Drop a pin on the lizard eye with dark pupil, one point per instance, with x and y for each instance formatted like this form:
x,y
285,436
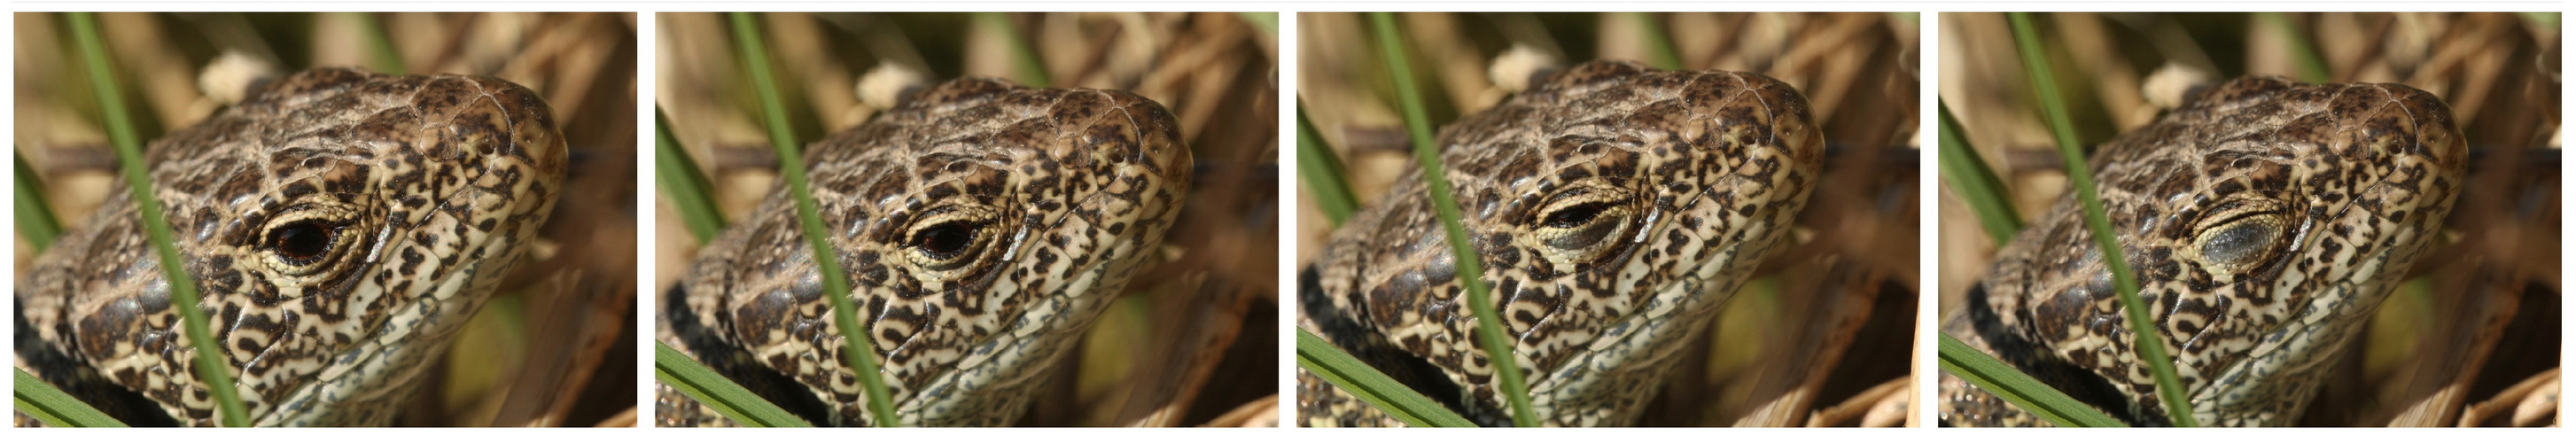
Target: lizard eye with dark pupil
x,y
946,240
301,242
1578,215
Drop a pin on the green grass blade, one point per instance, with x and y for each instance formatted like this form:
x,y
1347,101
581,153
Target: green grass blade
x,y
1369,385
2150,343
2303,53
1974,183
210,365
36,221
1471,272
858,349
381,55
54,407
1032,70
1322,172
719,393
1267,21
1659,44
1958,359
686,188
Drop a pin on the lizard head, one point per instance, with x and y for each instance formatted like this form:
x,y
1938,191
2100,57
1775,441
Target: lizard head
x,y
983,225
1613,208
340,225
2264,220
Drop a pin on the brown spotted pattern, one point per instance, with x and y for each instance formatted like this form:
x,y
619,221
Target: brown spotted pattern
x,y
341,226
2265,219
984,226
1615,207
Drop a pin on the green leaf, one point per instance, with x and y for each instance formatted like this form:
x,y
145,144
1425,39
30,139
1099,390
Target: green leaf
x,y
381,55
1471,271
1973,183
2303,53
1267,21
698,382
1369,385
1659,44
2150,343
858,349
36,221
688,190
1322,172
210,366
1958,359
54,407
1032,69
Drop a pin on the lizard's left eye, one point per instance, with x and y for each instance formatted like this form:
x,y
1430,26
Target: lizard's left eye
x,y
1583,224
310,240
954,240
2242,237
302,242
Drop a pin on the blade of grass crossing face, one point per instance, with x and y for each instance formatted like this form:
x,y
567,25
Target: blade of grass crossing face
x,y
1489,328
858,349
2150,342
682,183
1322,172
210,366
1973,183
1369,385
54,407
1958,359
717,392
36,221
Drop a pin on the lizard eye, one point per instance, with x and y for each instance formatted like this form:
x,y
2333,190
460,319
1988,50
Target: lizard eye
x,y
953,240
948,240
310,240
1583,224
2242,237
302,242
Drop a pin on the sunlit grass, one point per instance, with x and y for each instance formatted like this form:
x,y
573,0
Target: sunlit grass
x,y
1321,171
381,55
37,399
1973,183
1031,69
36,220
1470,269
682,184
858,349
2000,379
2149,343
1367,384
717,392
211,368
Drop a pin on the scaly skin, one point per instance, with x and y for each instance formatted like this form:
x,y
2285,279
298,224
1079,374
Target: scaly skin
x,y
1048,199
1615,207
2264,218
341,226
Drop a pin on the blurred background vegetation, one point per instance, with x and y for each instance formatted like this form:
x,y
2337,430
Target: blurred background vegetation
x,y
1825,338
1195,342
555,346
2473,338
